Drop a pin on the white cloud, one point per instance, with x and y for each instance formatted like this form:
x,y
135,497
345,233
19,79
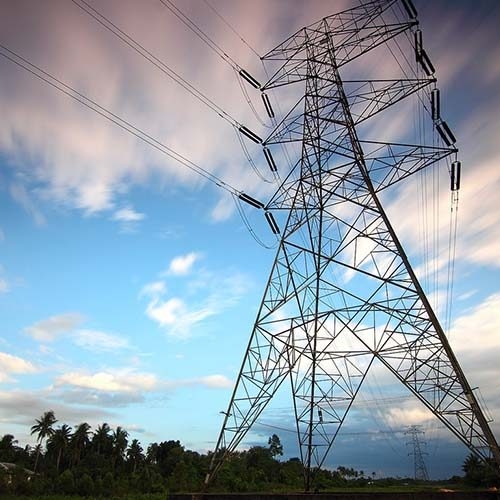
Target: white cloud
x,y
216,381
166,313
128,215
223,209
4,286
175,316
49,329
182,264
204,296
94,340
110,381
153,289
411,413
133,382
14,364
477,331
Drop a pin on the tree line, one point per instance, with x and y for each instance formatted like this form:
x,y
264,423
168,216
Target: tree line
x,y
105,462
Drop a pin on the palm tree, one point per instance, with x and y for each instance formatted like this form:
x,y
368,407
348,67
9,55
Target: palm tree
x,y
152,453
134,453
102,439
79,441
120,442
43,428
7,448
59,442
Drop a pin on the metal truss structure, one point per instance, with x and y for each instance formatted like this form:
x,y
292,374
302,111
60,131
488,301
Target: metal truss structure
x,y
342,293
419,468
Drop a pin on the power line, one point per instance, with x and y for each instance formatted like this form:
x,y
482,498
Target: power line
x,y
239,71
164,68
158,63
200,33
226,22
114,118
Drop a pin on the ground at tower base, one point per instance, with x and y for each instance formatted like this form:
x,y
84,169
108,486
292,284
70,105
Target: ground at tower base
x,y
389,495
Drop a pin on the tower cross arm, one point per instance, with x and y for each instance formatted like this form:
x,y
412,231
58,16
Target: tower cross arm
x,y
353,32
389,163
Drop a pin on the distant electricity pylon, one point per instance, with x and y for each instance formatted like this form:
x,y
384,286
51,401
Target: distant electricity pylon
x,y
341,292
419,468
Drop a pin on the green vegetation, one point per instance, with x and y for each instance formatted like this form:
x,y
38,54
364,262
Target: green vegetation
x,y
105,463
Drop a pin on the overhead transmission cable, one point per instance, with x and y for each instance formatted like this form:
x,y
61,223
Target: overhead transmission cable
x,y
200,33
137,132
226,22
442,130
233,64
117,120
239,71
162,66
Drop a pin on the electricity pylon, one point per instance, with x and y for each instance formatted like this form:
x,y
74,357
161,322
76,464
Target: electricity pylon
x,y
419,468
342,292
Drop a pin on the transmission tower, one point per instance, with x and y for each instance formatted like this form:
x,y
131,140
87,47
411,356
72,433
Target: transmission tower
x,y
420,470
341,292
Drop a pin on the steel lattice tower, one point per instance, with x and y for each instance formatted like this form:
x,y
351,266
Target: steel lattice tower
x,y
342,292
419,468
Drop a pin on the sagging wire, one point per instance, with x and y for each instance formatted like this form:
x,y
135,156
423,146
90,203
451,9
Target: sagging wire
x,y
244,91
249,227
239,72
158,63
191,25
250,160
440,129
231,27
164,68
452,250
112,117
237,69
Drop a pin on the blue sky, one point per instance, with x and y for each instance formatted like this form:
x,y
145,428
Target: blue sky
x,y
129,285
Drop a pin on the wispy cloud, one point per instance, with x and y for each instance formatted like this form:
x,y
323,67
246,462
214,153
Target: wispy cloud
x,y
129,381
216,381
49,329
176,316
128,214
153,289
477,330
94,340
110,381
197,299
10,364
23,198
4,284
128,219
182,265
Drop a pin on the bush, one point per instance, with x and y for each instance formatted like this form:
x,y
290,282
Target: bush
x,y
85,486
66,483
